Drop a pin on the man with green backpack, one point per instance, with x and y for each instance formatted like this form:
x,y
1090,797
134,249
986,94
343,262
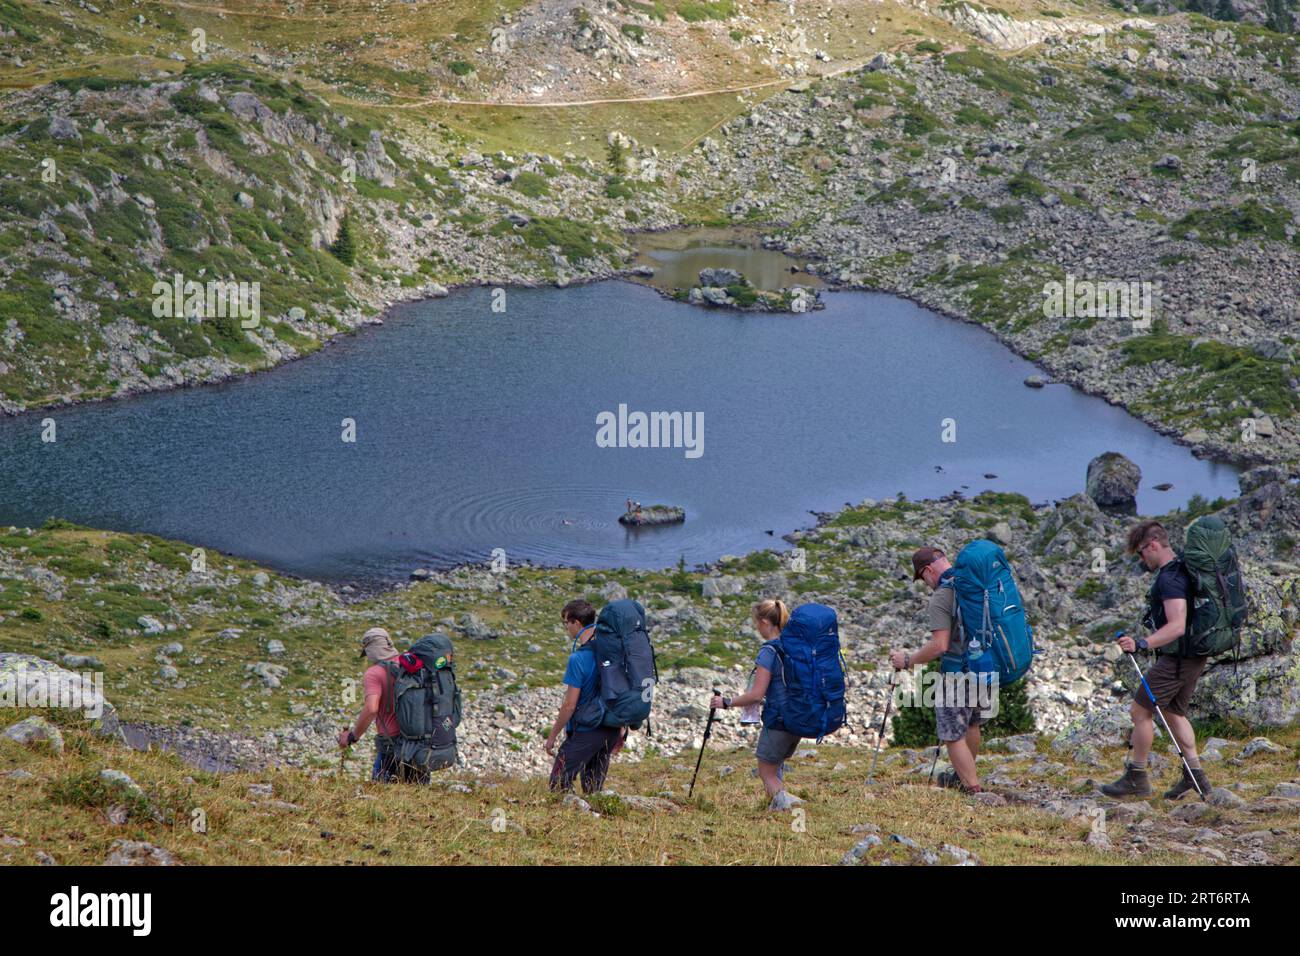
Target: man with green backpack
x,y
415,704
1197,606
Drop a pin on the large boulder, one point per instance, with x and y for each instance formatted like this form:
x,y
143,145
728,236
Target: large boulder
x,y
43,683
64,129
1113,482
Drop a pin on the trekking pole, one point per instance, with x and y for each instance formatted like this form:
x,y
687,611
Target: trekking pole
x,y
708,731
880,737
1161,714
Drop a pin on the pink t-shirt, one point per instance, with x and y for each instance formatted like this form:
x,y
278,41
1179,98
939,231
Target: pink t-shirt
x,y
377,680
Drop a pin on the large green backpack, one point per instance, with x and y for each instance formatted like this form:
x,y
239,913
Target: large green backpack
x,y
427,705
1218,609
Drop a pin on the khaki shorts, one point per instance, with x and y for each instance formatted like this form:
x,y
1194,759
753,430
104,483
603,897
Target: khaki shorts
x,y
1173,681
776,746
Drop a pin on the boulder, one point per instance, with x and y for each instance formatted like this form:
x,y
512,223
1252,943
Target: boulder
x,y
1000,533
271,674
139,853
714,278
35,731
720,586
1112,482
473,627
1073,524
613,591
64,129
1262,688
56,685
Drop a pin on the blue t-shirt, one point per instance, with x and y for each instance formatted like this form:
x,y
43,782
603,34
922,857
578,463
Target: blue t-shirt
x,y
580,672
768,657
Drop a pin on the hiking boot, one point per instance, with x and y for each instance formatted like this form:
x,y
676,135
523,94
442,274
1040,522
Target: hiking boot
x,y
1136,782
949,779
1186,784
784,801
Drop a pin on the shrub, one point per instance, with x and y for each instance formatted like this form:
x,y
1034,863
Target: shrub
x,y
532,185
915,726
345,243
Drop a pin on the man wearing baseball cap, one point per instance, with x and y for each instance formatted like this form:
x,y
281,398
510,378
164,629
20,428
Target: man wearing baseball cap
x,y
957,720
377,647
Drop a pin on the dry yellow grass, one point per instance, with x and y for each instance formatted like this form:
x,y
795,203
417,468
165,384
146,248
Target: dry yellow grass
x,y
319,818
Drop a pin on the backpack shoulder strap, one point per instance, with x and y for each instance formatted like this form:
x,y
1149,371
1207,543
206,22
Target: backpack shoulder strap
x,y
590,647
393,672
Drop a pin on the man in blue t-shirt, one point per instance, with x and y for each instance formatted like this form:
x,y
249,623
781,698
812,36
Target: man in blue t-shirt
x,y
588,744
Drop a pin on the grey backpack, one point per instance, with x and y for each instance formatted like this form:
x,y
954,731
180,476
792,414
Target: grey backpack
x,y
427,704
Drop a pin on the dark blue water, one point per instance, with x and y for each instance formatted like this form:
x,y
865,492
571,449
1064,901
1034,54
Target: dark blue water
x,y
477,430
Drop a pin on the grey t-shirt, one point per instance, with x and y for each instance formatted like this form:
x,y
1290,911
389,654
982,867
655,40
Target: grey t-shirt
x,y
941,614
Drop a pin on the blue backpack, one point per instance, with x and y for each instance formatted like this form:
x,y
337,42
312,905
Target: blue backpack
x,y
625,665
813,671
989,612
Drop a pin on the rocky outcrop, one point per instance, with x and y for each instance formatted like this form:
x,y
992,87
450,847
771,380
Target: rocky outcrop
x,y
729,289
1008,33
654,515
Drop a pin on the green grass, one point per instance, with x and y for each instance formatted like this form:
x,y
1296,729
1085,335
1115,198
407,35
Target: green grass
x,y
532,185
695,11
992,73
1224,373
1219,225
573,239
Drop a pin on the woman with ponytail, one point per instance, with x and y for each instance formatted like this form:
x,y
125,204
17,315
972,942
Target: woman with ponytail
x,y
775,745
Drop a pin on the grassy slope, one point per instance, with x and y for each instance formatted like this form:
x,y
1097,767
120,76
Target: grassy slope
x,y
320,819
